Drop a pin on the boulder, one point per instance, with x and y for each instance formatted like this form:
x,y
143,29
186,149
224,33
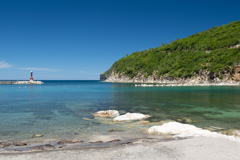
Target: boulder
x,y
131,117
180,130
108,113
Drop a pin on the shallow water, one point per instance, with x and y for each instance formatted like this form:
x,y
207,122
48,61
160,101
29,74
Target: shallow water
x,y
64,109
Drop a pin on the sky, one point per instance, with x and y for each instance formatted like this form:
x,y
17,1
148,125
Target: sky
x,y
80,39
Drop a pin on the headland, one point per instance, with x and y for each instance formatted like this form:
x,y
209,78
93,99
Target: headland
x,y
210,57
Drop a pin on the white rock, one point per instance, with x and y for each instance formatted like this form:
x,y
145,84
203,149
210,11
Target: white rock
x,y
131,117
108,113
185,130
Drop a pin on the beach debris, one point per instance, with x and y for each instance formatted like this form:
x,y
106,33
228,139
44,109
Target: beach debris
x,y
107,113
127,143
231,132
43,147
36,136
131,117
71,141
97,142
19,144
5,144
114,140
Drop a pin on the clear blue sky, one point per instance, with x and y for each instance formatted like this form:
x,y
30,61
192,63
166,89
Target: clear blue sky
x,y
79,39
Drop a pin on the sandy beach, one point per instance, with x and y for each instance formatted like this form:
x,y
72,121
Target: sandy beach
x,y
199,148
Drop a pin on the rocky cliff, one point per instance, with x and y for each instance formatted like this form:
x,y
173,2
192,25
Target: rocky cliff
x,y
203,77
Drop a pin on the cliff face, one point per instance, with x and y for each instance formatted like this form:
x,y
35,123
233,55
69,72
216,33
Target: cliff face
x,y
203,77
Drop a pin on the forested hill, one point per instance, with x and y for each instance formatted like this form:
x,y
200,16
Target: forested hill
x,y
216,50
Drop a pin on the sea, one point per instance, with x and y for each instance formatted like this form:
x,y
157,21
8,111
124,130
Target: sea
x,y
64,109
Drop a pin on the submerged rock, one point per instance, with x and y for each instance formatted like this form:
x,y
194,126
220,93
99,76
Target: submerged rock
x,y
231,132
131,117
108,113
20,144
43,147
87,119
115,130
144,122
36,136
104,120
114,140
183,119
213,128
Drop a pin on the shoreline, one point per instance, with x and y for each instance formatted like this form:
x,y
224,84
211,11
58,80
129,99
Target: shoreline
x,y
203,78
97,142
167,131
190,148
173,84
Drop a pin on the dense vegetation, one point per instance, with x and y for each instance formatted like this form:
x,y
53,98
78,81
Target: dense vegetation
x,y
185,57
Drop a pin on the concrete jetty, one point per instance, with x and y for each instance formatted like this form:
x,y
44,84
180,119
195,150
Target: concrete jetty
x,y
7,82
21,82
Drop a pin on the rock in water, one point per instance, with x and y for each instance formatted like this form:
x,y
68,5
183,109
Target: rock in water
x,y
231,132
36,135
131,117
108,113
20,144
66,141
185,130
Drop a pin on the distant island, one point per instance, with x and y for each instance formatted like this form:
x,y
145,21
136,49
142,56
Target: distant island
x,y
208,57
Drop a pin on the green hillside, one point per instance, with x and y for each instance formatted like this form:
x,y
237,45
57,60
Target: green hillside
x,y
211,50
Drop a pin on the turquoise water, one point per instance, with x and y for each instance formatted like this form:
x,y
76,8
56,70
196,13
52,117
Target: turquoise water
x,y
64,109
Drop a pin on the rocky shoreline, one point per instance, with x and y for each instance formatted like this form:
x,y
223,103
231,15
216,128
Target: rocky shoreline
x,y
207,148
162,131
203,78
168,83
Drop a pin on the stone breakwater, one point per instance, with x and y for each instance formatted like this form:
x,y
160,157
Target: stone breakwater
x,y
21,82
29,82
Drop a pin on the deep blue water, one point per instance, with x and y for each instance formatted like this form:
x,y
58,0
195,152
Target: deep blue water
x,y
64,109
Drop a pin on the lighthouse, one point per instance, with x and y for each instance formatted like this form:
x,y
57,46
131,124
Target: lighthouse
x,y
31,78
